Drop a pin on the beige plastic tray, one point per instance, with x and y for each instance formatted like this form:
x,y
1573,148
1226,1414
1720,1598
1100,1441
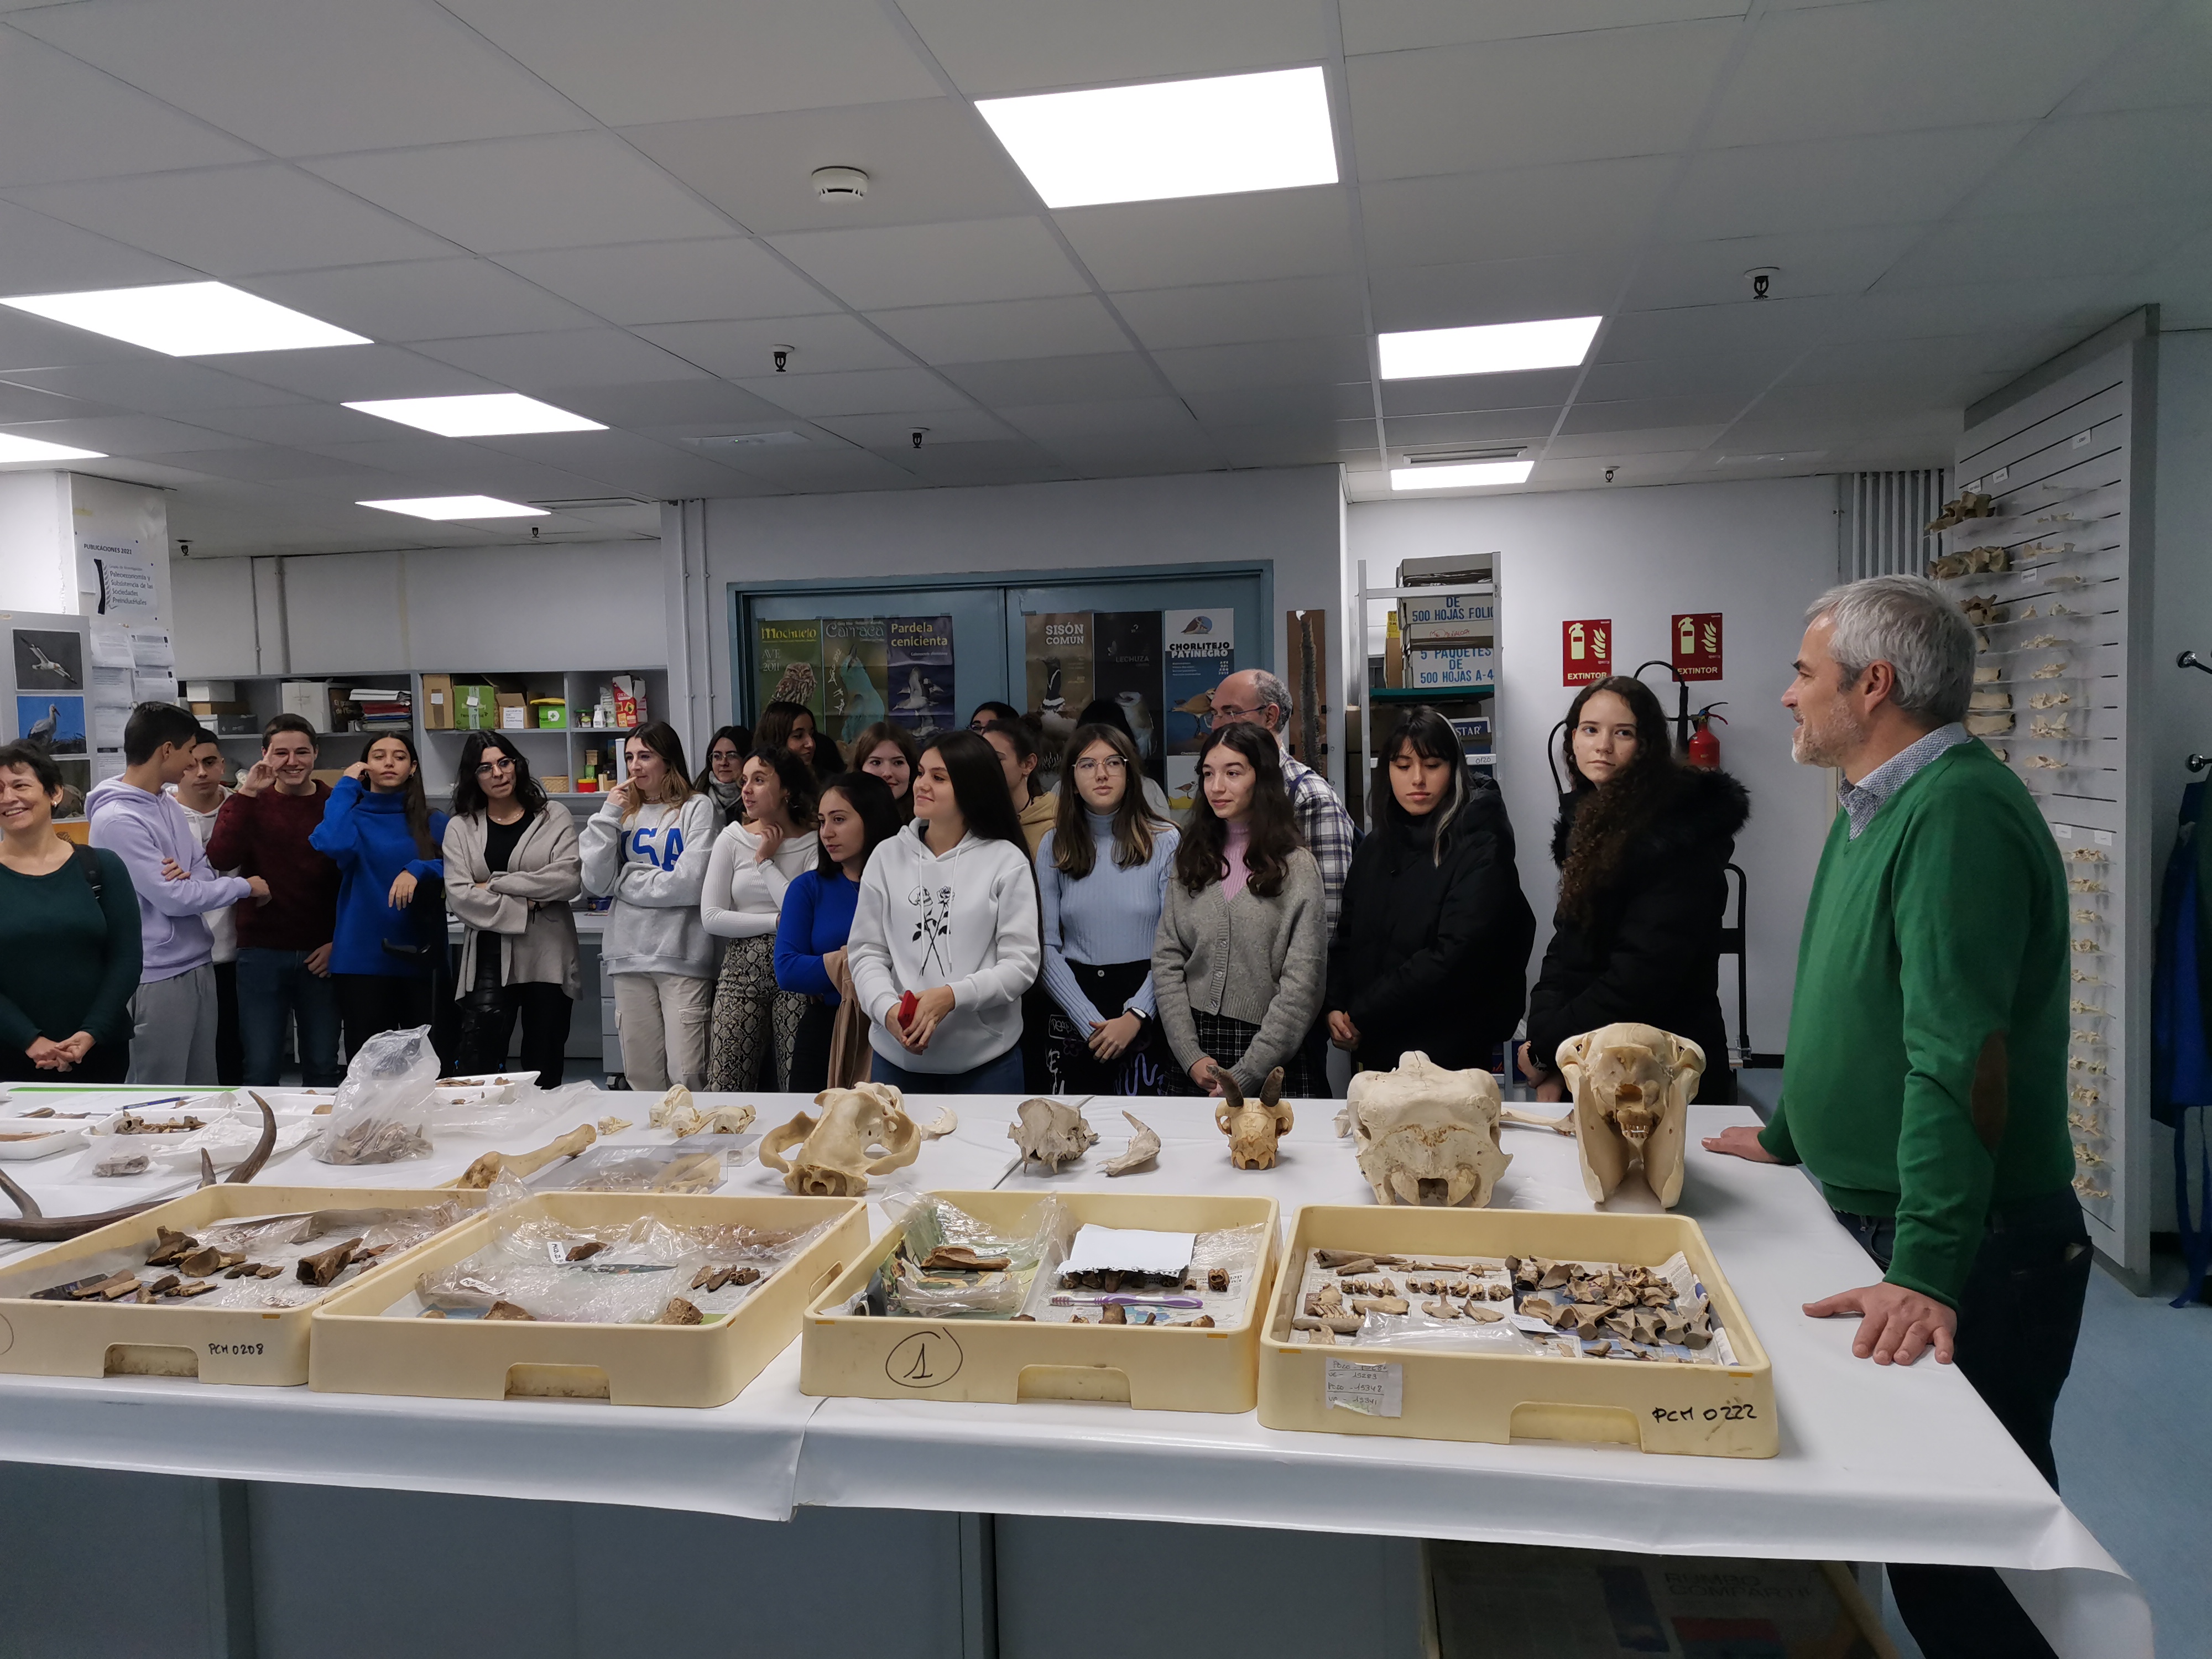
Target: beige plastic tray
x,y
360,1350
215,1345
1707,1411
1151,1368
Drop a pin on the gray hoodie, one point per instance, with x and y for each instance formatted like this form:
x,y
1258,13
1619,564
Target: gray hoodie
x,y
654,868
142,829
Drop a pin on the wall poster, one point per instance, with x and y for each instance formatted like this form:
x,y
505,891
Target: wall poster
x,y
787,663
1198,651
1128,674
1058,653
918,673
48,700
122,576
1696,639
1585,650
854,666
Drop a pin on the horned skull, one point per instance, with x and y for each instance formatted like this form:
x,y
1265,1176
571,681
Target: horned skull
x,y
1253,1127
835,1158
1631,1086
1427,1134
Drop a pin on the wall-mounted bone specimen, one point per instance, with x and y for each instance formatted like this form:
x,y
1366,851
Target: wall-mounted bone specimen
x,y
1253,1127
1427,1135
838,1152
1631,1086
1143,1147
1050,1134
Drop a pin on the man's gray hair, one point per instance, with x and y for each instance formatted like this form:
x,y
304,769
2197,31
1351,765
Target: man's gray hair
x,y
1270,689
1912,625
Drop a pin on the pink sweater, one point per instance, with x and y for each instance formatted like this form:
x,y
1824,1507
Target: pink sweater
x,y
1238,839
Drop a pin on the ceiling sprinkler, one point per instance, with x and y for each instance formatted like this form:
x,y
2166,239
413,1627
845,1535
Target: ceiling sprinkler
x,y
1761,278
783,355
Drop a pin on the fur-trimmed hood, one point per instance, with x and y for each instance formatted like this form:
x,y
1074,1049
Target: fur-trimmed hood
x,y
1704,807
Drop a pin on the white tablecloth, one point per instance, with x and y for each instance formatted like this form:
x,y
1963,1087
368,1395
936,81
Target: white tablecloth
x,y
1896,1464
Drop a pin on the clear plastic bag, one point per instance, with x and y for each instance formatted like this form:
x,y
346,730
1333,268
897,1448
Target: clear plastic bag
x,y
908,1288
384,1111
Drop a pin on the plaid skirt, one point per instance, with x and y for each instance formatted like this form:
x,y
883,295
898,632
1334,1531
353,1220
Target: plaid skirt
x,y
1227,1039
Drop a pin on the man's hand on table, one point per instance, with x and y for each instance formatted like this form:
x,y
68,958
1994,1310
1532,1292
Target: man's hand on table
x,y
1740,1141
1897,1325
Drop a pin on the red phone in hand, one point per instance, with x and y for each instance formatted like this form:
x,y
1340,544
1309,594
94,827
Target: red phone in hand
x,y
908,1004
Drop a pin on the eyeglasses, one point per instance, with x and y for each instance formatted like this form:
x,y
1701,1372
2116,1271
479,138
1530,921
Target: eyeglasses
x,y
724,757
1228,715
502,764
1086,766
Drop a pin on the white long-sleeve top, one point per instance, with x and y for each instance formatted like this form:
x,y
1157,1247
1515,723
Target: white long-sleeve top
x,y
744,892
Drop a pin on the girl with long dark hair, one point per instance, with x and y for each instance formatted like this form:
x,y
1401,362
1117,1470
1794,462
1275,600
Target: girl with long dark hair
x,y
948,914
1103,872
1432,935
792,725
753,864
723,779
1015,743
1238,965
379,829
511,865
889,753
856,816
1642,844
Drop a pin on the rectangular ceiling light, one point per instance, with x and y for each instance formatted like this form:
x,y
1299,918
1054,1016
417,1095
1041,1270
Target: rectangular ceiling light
x,y
187,319
1490,348
459,506
1460,476
13,448
1218,136
486,414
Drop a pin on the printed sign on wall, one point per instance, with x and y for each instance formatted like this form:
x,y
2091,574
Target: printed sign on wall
x,y
1585,650
1697,645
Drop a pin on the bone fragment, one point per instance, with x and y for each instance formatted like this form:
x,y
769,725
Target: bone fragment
x,y
488,1169
1143,1148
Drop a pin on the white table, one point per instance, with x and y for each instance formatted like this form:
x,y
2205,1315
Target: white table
x,y
1902,1464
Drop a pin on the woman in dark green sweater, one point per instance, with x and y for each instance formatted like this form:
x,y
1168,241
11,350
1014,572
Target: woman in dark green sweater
x,y
68,938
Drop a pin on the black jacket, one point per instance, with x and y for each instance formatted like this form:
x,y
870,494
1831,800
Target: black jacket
x,y
1433,956
1651,952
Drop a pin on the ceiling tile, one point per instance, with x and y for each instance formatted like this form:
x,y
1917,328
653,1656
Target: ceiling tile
x,y
1495,426
1332,363
1741,376
1551,99
724,277
1746,325
1499,291
1107,375
892,266
1834,183
309,77
1034,45
653,406
966,465
1678,441
1996,250
1315,405
819,346
508,195
157,386
357,373
421,300
896,432
1809,263
31,402
1067,327
1224,313
265,462
296,423
1276,446
2169,62
2182,283
579,356
675,60
823,471
31,342
61,119
231,222
1516,212
1700,408
1214,238
128,435
1400,25
40,254
869,391
925,159
2152,159
1131,417
1475,394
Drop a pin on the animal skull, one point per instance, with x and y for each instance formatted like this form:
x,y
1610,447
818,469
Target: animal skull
x,y
1050,1134
1427,1134
1631,1086
1253,1127
833,1159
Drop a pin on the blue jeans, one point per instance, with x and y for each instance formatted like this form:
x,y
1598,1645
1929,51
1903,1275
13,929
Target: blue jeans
x,y
1002,1075
272,984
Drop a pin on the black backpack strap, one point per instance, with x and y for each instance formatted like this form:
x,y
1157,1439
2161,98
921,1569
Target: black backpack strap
x,y
88,865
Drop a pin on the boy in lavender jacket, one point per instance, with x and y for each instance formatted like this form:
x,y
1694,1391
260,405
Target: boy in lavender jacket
x,y
173,1013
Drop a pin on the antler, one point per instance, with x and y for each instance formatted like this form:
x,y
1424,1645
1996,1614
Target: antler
x,y
259,1156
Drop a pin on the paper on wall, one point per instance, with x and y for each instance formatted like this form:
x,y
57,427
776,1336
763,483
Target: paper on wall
x,y
111,644
120,574
151,652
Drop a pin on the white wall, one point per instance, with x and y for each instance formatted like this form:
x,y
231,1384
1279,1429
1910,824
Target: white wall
x,y
42,513
1757,552
1292,515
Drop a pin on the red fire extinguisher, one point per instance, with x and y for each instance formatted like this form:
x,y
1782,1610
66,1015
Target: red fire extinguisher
x,y
1705,751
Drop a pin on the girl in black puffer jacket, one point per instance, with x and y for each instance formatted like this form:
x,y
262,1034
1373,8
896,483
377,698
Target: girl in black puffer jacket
x,y
1432,937
1641,842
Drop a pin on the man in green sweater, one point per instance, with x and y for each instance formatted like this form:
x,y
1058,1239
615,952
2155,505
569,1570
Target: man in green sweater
x,y
1926,1083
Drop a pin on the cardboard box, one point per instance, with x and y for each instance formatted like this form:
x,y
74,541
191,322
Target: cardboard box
x,y
629,701
548,714
310,700
513,717
437,703
474,707
1457,668
1448,570
237,726
199,691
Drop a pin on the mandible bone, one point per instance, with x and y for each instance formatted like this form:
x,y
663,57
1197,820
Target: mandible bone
x,y
1427,1134
1631,1086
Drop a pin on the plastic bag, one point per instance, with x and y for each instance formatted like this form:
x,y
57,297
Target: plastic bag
x,y
909,1289
384,1110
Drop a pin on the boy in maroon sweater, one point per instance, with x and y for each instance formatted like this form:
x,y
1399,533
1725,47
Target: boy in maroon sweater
x,y
284,946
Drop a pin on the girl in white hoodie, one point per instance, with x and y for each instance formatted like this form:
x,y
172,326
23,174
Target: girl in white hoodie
x,y
647,848
948,914
754,861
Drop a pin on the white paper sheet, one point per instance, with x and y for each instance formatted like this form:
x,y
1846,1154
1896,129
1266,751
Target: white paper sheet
x,y
1127,1249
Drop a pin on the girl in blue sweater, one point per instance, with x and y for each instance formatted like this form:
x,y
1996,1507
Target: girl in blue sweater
x,y
380,832
1102,875
858,815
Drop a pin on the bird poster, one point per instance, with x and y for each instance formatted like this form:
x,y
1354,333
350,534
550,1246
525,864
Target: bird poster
x,y
1200,647
1127,673
918,673
53,721
787,662
1058,652
853,675
48,660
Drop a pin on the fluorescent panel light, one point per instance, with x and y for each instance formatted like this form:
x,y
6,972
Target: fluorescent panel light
x,y
1213,137
1461,476
187,319
13,448
1491,349
459,506
487,415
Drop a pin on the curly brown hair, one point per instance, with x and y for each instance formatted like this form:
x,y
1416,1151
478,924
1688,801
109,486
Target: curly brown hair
x,y
1609,816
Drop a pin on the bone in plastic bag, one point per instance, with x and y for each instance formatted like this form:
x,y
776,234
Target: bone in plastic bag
x,y
384,1110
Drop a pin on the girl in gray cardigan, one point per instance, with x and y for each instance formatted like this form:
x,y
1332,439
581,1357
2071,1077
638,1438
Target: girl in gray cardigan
x,y
1241,957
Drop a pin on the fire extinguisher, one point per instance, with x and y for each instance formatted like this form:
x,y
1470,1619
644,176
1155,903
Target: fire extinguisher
x,y
1704,752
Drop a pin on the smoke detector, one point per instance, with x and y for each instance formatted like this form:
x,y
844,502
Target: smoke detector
x,y
840,183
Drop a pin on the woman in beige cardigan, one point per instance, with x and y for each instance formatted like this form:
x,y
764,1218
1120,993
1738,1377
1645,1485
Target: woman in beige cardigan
x,y
1241,957
512,866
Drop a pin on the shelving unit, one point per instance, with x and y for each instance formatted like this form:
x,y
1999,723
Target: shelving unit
x,y
1369,721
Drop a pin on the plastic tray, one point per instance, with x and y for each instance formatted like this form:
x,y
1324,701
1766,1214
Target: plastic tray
x,y
1150,1368
215,1344
360,1350
1707,1411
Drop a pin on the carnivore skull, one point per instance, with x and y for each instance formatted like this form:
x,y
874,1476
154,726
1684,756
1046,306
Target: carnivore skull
x,y
1631,1086
1427,1135
836,1157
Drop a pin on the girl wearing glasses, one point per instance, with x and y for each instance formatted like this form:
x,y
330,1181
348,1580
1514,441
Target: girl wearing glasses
x,y
1103,872
512,866
723,782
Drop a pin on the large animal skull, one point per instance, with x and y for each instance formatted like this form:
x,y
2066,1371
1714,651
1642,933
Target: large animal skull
x,y
1050,1134
835,1158
1631,1087
1253,1127
1427,1135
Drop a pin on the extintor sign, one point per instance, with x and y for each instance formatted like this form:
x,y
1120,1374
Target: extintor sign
x,y
1696,642
1585,650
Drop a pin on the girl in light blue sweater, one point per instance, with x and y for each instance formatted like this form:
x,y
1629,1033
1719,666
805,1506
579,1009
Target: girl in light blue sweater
x,y
1103,871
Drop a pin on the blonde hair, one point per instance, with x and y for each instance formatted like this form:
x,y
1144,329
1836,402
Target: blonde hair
x,y
676,787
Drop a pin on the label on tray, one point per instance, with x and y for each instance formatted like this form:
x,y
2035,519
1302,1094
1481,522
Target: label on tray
x,y
1370,1391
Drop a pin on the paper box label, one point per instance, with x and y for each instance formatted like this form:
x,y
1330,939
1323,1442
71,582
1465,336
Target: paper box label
x,y
1467,665
1370,1391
